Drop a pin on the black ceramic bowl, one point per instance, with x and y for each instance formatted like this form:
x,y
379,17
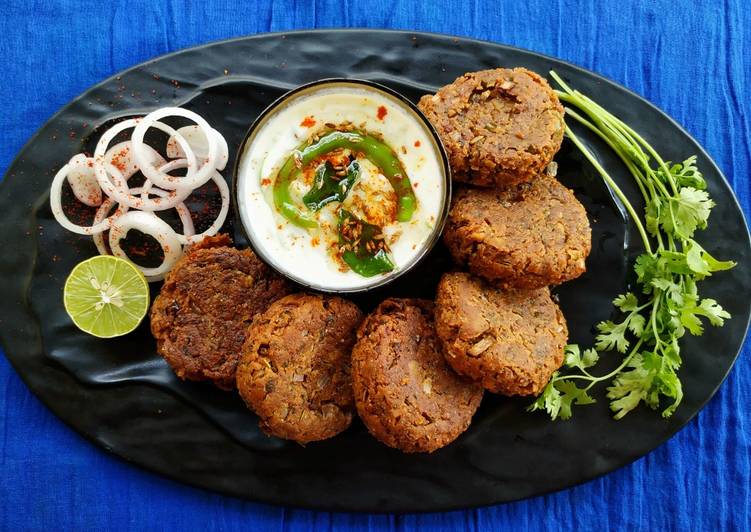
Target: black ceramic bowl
x,y
398,100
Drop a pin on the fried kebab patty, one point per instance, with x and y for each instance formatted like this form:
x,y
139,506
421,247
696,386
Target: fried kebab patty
x,y
406,394
509,341
208,300
533,236
500,127
294,372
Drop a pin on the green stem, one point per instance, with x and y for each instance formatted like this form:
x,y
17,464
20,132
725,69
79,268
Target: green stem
x,y
640,181
618,192
617,370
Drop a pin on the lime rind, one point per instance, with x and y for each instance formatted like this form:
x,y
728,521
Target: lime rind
x,y
106,296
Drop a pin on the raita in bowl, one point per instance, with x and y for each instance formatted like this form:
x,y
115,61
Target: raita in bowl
x,y
342,185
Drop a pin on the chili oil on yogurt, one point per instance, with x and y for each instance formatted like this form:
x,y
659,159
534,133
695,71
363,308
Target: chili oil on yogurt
x,y
341,186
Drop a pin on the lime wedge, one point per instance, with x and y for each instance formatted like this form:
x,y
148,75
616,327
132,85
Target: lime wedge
x,y
106,296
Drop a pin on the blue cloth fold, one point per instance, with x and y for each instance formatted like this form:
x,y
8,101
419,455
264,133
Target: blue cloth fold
x,y
690,58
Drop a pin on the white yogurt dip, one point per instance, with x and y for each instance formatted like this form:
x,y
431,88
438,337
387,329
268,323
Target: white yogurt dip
x,y
313,255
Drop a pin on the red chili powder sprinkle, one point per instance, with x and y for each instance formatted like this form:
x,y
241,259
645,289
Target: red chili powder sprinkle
x,y
265,182
417,144
314,241
117,159
382,112
309,121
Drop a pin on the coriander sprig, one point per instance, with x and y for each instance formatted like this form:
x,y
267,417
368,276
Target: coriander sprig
x,y
668,272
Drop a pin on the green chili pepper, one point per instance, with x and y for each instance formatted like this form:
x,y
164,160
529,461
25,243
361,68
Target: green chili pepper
x,y
326,188
365,250
377,152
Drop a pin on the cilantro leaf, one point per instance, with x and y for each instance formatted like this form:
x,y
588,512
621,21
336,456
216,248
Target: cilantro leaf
x,y
636,324
652,216
670,386
673,262
685,174
695,261
702,263
630,387
558,398
707,308
646,270
574,358
717,265
626,302
686,212
710,309
612,336
549,400
570,395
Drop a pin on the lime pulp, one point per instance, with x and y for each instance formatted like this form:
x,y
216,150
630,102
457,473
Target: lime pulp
x,y
106,296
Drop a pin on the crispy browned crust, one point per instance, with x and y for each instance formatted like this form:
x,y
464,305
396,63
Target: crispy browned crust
x,y
510,342
500,127
294,371
201,315
529,238
406,394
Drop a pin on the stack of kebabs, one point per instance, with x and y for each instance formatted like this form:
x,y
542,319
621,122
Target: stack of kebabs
x,y
413,370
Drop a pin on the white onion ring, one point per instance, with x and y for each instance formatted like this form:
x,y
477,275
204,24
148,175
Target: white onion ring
x,y
195,176
121,194
221,184
56,193
102,181
150,224
166,167
213,229
182,211
198,142
101,214
128,166
82,180
117,188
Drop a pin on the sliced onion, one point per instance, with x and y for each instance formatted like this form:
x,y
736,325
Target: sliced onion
x,y
121,157
56,194
195,176
149,224
182,211
200,145
117,188
101,214
119,191
83,181
213,229
102,181
170,166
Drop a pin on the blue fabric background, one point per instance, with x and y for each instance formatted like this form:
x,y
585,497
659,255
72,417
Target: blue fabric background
x,y
692,61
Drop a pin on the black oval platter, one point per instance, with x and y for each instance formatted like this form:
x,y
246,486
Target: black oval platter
x,y
122,396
